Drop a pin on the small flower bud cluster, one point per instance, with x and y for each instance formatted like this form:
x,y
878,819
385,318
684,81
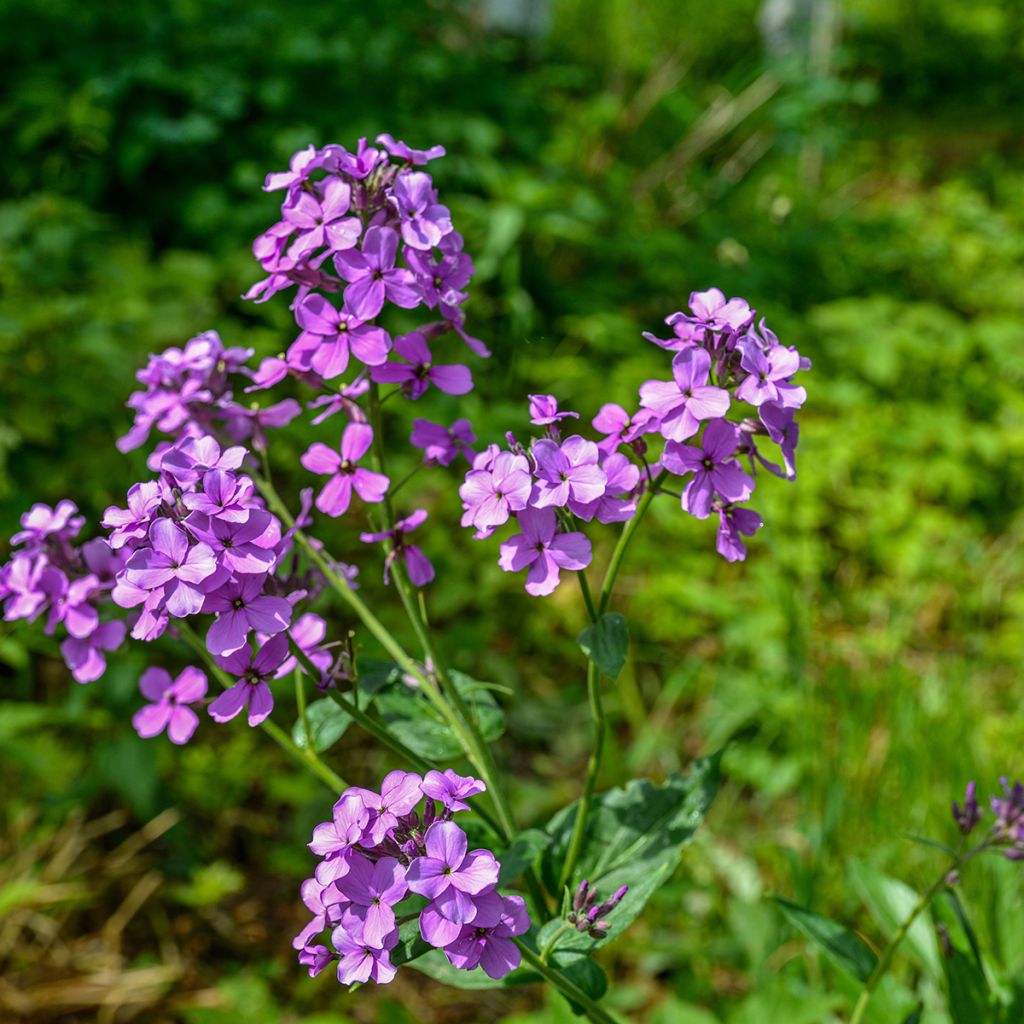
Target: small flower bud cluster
x,y
377,851
1007,831
50,574
587,914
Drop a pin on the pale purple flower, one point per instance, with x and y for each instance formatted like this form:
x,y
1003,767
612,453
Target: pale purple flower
x,y
344,830
301,165
419,372
714,468
42,522
169,699
443,445
373,277
487,941
785,432
308,632
490,495
360,961
416,157
85,657
245,547
193,457
712,311
769,376
682,403
242,608
617,504
361,163
251,691
224,496
544,410
399,794
734,523
545,551
75,608
424,221
29,583
332,334
316,958
336,495
448,875
375,887
451,789
320,222
567,472
417,565
619,427
311,893
132,524
173,566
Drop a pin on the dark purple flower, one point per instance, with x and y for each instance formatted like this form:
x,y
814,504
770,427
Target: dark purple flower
x,y
242,608
714,468
336,495
419,372
734,523
443,445
253,672
417,565
545,551
968,816
169,699
682,403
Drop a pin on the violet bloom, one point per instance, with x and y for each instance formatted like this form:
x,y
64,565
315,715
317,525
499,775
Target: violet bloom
x,y
443,445
1009,812
316,958
785,432
544,550
616,504
311,893
712,311
336,495
193,457
487,941
373,277
169,699
424,221
336,334
85,657
245,547
173,566
416,157
321,222
344,830
251,691
451,789
619,427
490,495
769,376
132,524
448,875
714,468
300,166
682,403
224,496
399,794
417,565
375,887
242,608
544,410
360,164
419,372
441,279
29,582
361,962
734,523
569,471
308,632
41,522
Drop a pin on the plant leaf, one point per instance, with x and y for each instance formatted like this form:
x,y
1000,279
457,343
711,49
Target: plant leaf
x,y
606,643
841,946
327,724
521,854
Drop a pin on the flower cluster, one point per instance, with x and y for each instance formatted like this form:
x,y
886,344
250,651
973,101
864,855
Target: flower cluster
x,y
1007,831
587,914
381,855
50,574
721,362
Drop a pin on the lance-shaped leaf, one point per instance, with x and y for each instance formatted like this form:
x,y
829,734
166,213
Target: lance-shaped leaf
x,y
836,941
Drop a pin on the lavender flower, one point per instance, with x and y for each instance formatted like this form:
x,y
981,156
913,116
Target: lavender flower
x,y
684,402
417,565
169,699
345,475
544,551
715,470
419,372
443,445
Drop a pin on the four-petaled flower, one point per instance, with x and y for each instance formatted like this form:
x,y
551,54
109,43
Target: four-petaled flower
x,y
715,470
169,699
682,403
544,550
336,495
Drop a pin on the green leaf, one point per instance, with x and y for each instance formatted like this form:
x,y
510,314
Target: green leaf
x,y
521,854
890,901
376,675
584,973
411,945
968,989
435,965
841,946
415,721
606,642
327,724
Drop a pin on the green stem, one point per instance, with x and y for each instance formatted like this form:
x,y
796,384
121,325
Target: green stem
x,y
595,1012
588,599
885,960
306,757
545,953
300,700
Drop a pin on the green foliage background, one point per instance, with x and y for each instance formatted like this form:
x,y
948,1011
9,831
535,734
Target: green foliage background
x,y
864,189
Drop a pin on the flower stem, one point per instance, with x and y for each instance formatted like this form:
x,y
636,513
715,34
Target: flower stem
x,y
307,757
595,1012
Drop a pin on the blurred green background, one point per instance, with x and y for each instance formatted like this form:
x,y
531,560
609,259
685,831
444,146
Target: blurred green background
x,y
855,169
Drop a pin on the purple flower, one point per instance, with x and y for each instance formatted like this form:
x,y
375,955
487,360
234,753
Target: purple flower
x,y
567,472
424,221
335,334
968,816
441,278
316,958
85,657
715,470
443,445
420,372
193,457
544,410
769,376
42,522
241,608
173,566
417,157
487,941
399,794
308,632
360,960
785,432
361,163
377,888
712,311
132,524
251,690
345,829
372,275
311,893
544,550
29,583
448,875
241,547
490,495
301,165
734,523
224,496
615,505
451,789
320,222
619,427
682,403
169,699
1009,812
336,495
586,914
417,565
